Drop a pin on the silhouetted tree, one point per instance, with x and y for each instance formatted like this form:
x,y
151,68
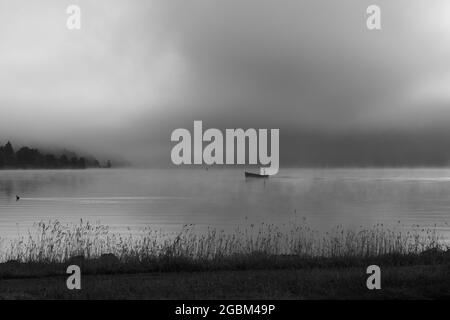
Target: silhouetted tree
x,y
74,162
82,163
2,158
27,157
50,161
8,151
64,161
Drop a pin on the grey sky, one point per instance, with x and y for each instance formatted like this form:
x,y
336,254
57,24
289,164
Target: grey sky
x,y
139,69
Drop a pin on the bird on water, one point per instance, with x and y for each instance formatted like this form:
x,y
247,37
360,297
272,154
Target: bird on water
x,y
17,198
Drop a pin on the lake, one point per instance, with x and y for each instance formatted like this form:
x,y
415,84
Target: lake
x,y
127,199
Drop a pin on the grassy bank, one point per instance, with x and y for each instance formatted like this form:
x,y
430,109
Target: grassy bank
x,y
398,282
49,246
263,261
55,242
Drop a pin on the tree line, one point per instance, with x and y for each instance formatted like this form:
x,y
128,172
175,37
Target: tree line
x,y
30,158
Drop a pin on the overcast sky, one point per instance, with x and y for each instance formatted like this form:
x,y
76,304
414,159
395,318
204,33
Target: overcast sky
x,y
137,70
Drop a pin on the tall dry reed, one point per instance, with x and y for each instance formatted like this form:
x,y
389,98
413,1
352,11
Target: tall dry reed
x,y
56,242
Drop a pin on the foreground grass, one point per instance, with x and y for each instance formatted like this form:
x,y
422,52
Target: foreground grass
x,y
51,246
404,282
264,262
54,242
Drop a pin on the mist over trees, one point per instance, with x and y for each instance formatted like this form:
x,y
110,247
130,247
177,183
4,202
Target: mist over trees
x,y
29,158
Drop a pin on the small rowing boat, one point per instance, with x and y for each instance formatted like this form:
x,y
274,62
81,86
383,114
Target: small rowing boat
x,y
255,175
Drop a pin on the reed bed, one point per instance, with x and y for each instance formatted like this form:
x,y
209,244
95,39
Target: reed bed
x,y
54,242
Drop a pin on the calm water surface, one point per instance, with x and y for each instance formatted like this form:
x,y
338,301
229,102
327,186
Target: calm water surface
x,y
126,199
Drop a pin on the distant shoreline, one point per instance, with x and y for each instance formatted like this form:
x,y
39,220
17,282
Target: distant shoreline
x,y
26,157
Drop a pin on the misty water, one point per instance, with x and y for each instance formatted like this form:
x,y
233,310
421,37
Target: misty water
x,y
129,199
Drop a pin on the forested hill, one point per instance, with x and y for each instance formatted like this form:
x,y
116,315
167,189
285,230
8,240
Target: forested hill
x,y
29,158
